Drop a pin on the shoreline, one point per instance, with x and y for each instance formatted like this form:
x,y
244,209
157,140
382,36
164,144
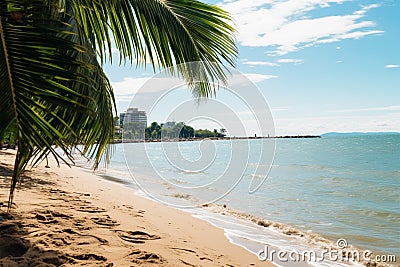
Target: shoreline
x,y
306,239
67,216
97,187
299,239
119,141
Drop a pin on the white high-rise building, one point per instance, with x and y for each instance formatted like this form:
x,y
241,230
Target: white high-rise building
x,y
133,115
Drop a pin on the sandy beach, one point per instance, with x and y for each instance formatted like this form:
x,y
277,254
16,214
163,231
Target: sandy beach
x,y
70,217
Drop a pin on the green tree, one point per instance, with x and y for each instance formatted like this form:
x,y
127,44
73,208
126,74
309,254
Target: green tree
x,y
51,81
153,131
180,130
200,133
174,131
134,130
165,133
186,132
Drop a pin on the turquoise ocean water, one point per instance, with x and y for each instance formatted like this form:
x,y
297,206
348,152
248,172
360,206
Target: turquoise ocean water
x,y
345,187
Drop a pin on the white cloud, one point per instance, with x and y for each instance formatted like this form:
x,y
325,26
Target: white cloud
x,y
241,80
260,63
256,77
126,89
387,108
365,9
291,60
273,64
128,86
392,66
287,26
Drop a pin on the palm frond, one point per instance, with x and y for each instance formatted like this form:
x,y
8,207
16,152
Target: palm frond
x,y
53,87
166,33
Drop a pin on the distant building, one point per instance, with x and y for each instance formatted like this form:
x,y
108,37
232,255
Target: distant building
x,y
133,115
168,124
133,123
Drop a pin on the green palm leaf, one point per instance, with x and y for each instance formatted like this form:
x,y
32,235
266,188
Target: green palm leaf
x,y
52,86
165,33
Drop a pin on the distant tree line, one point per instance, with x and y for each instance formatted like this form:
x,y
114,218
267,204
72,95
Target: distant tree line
x,y
137,130
207,133
179,130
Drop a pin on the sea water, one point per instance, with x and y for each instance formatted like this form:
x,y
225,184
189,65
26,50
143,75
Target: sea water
x,y
344,187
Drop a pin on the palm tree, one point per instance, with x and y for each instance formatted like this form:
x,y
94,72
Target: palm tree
x,y
52,86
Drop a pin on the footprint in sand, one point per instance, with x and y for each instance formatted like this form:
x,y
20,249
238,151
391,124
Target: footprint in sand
x,y
91,209
128,206
139,213
141,257
89,256
72,232
57,191
105,221
89,259
48,216
45,218
136,236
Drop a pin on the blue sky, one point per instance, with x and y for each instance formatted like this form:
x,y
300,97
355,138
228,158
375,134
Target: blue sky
x,y
322,65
